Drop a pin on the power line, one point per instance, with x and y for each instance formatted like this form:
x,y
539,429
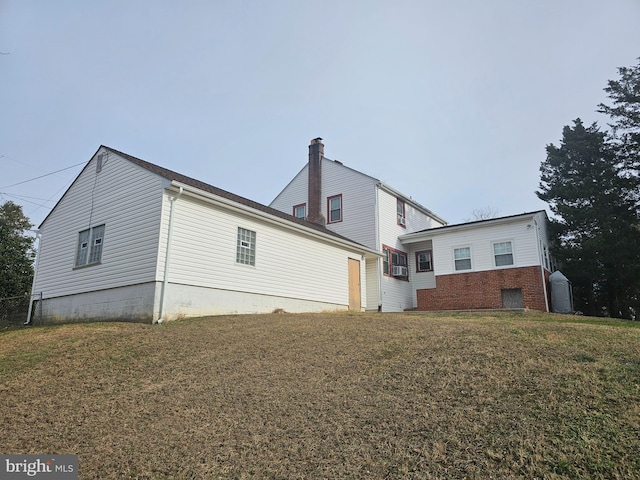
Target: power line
x,y
45,175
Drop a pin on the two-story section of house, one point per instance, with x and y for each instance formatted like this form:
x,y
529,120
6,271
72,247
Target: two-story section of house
x,y
366,210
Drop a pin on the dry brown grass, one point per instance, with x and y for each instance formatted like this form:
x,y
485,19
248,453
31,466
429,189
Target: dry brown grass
x,y
328,396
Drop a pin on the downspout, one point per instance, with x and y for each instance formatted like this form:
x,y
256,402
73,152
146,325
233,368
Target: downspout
x,y
541,259
35,274
379,272
167,258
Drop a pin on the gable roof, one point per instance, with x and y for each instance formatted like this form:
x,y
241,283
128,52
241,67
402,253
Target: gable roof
x,y
173,176
376,181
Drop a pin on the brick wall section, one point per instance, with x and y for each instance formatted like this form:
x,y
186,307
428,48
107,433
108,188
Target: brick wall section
x,y
482,290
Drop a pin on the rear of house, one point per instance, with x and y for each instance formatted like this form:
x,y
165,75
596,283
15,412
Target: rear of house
x,y
365,210
490,264
130,240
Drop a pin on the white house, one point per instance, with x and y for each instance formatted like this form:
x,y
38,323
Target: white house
x,y
132,240
425,264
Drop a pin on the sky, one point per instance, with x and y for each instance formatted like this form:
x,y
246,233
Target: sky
x,y
450,102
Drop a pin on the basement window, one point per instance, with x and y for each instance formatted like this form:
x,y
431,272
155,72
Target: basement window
x,y
90,242
246,247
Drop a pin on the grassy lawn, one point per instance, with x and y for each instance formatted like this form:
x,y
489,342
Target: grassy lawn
x,y
329,396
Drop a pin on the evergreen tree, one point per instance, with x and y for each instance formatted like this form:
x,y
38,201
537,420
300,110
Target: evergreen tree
x,y
16,252
595,219
625,135
625,113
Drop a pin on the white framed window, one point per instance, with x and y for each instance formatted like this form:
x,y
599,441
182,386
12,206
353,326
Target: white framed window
x,y
334,206
300,211
462,258
90,242
503,254
246,247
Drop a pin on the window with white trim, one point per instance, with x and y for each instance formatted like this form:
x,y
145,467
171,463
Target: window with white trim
x,y
462,258
503,254
300,211
334,206
90,243
246,247
424,261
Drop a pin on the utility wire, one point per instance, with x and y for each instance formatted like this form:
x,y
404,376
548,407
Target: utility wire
x,y
45,175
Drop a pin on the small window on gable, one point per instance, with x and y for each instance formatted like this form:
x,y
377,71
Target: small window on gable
x,y
462,258
90,242
246,247
401,209
503,254
423,261
300,211
334,206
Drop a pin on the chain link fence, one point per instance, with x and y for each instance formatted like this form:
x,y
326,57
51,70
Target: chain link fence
x,y
15,310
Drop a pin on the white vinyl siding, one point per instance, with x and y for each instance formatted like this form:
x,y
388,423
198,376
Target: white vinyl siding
x,y
481,238
124,197
420,280
358,200
290,264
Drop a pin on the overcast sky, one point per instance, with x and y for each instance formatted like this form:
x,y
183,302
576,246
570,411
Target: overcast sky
x,y
450,102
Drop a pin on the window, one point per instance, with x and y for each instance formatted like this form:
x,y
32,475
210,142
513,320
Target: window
x,y
394,263
423,261
503,254
401,208
300,211
334,205
246,248
462,257
385,260
90,243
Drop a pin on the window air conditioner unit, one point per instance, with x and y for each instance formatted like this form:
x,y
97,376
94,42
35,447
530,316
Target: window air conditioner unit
x,y
402,221
399,271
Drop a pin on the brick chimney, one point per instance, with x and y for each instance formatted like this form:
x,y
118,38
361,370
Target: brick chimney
x,y
316,152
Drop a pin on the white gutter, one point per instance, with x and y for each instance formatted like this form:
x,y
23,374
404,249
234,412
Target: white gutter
x,y
35,274
264,216
167,258
541,260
